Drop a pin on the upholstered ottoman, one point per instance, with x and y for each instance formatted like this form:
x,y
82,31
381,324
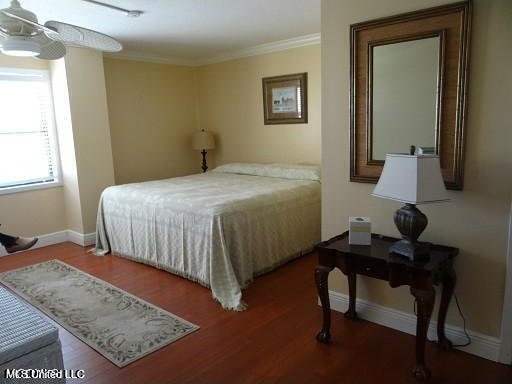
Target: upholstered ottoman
x,y
29,344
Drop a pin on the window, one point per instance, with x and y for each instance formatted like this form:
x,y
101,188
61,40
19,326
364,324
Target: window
x,y
28,151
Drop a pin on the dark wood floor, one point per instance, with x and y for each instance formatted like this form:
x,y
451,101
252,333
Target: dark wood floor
x,y
273,341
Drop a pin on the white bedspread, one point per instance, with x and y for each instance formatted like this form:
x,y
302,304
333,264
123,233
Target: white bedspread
x,y
218,229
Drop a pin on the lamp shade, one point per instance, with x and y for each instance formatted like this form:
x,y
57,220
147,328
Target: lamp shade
x,y
203,140
412,179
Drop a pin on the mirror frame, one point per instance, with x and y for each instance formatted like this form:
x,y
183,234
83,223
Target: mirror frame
x,y
452,24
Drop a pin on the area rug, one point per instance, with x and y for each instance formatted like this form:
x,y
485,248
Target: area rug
x,y
120,326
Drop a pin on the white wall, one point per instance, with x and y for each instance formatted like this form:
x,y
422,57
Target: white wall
x,y
91,130
231,105
153,114
476,220
71,193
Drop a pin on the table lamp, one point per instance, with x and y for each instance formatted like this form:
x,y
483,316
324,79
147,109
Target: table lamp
x,y
411,179
202,141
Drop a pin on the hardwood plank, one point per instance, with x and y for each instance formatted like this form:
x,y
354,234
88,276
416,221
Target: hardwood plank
x,y
272,342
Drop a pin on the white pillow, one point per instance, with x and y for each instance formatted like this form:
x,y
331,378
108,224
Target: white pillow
x,y
283,171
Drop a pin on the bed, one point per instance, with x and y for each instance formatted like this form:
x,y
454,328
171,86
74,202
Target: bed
x,y
220,229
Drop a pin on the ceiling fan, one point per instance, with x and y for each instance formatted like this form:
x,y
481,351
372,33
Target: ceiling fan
x,y
22,35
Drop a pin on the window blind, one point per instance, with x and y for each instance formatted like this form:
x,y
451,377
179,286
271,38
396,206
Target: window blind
x,y
27,150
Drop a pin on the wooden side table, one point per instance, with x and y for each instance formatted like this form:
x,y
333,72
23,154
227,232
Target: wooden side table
x,y
375,261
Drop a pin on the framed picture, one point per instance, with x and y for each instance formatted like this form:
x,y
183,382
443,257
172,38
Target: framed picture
x,y
285,99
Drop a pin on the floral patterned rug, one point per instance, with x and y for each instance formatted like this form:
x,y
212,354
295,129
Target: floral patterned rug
x,y
120,326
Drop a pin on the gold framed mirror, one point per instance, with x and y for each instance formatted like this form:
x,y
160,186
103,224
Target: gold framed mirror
x,y
408,85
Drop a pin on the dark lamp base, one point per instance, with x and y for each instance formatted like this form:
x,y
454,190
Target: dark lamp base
x,y
410,221
413,251
204,167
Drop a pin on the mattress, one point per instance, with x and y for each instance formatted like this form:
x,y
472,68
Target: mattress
x,y
221,228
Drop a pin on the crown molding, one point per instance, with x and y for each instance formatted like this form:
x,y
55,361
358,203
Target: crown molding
x,y
141,56
261,49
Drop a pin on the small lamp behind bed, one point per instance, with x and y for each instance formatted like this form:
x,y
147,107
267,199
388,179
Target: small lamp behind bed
x,y
202,141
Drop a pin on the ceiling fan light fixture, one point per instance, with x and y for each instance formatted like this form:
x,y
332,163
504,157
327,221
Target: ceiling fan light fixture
x,y
20,47
22,35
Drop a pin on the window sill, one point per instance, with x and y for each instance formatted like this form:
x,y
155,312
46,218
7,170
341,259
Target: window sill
x,y
28,188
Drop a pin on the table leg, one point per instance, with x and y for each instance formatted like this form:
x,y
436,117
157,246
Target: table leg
x,y
448,281
352,283
425,299
321,274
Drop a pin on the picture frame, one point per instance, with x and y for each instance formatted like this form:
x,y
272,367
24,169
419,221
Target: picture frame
x,y
451,25
285,99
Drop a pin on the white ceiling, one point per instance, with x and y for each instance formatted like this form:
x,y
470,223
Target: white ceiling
x,y
187,29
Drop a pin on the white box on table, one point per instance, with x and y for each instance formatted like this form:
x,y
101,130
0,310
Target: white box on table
x,y
359,231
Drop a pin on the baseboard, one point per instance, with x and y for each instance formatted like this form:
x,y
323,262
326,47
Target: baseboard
x,y
83,239
481,345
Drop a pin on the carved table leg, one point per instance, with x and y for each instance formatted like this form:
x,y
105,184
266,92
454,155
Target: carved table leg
x,y
448,281
425,299
352,283
321,274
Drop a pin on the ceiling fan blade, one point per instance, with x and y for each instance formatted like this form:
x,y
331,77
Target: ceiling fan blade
x,y
50,49
73,35
27,21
